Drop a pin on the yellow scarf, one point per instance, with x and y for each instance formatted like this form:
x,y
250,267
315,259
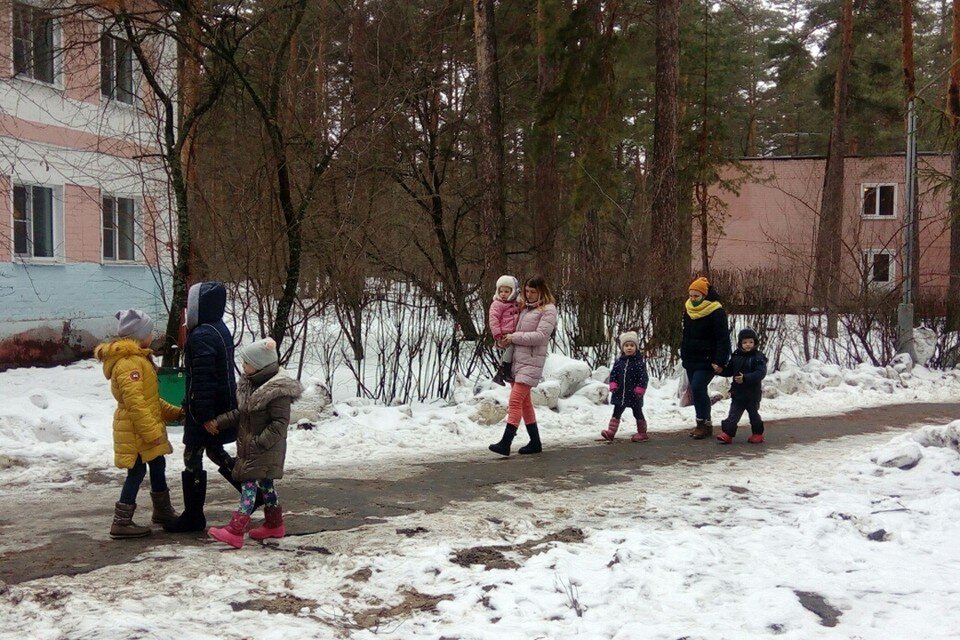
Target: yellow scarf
x,y
702,310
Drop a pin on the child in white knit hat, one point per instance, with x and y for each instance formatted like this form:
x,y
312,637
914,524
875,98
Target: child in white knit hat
x,y
504,313
628,385
264,396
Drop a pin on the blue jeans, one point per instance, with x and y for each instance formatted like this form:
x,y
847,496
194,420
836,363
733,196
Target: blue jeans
x,y
699,381
135,475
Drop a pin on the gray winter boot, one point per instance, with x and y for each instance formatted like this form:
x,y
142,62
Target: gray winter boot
x,y
163,512
123,525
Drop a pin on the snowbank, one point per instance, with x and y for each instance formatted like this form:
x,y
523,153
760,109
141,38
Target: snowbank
x,y
906,451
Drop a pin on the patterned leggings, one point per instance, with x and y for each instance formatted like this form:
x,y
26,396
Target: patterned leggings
x,y
248,494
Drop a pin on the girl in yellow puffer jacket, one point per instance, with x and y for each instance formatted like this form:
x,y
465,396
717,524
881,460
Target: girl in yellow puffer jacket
x,y
139,423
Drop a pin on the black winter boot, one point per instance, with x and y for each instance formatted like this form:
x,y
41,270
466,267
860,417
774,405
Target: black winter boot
x,y
226,471
534,445
503,373
503,447
194,495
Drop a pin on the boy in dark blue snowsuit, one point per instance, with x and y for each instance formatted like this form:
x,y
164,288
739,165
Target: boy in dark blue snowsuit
x,y
747,367
628,384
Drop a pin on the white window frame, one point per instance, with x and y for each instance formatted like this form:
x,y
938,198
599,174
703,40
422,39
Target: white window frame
x,y
876,185
134,72
59,250
58,80
869,257
139,257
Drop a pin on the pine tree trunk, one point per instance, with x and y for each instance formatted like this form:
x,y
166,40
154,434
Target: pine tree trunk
x,y
546,197
490,164
909,81
953,110
669,277
827,266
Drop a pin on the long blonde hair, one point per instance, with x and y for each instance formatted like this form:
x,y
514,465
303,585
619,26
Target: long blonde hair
x,y
540,284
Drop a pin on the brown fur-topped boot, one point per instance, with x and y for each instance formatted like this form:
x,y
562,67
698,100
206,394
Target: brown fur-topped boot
x,y
703,430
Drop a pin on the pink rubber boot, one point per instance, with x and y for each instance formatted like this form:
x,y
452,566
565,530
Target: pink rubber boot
x,y
272,526
641,434
611,430
232,534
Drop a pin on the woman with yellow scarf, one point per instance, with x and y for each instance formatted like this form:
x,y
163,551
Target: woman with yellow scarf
x,y
704,349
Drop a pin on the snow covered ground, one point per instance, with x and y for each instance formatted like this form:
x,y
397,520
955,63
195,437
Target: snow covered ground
x,y
812,541
781,545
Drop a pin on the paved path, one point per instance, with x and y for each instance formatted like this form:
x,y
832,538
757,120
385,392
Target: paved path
x,y
83,515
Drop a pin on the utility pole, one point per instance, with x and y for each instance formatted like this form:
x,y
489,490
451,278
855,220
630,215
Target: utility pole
x,y
905,343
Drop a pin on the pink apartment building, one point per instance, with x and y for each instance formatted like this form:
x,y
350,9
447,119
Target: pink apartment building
x,y
771,223
85,221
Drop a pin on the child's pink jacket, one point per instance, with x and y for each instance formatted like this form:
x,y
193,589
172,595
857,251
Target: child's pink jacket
x,y
503,317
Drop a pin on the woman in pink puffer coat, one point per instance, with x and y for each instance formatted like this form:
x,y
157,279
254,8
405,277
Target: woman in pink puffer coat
x,y
536,323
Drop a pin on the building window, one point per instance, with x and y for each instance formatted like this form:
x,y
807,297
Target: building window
x,y
119,229
116,68
879,266
34,44
879,200
33,222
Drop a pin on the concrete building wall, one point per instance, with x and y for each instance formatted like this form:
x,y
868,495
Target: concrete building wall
x,y
68,137
770,223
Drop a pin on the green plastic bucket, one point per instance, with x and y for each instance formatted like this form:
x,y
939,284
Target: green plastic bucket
x,y
173,384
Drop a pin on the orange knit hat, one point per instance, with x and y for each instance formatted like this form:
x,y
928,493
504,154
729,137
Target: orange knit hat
x,y
701,284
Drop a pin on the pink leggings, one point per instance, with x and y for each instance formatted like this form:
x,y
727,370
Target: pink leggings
x,y
520,405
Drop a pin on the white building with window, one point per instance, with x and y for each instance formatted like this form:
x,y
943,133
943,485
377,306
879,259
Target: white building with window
x,y
87,225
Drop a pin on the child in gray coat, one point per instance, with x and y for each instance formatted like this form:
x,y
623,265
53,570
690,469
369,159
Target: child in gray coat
x,y
264,396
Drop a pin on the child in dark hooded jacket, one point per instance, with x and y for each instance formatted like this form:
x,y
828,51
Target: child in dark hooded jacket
x,y
747,367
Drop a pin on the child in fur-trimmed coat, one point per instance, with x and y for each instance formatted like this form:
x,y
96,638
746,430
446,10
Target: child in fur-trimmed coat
x,y
628,384
264,396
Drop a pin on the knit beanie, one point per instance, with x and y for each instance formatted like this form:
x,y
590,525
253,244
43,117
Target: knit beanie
x,y
134,324
629,336
260,354
701,284
509,281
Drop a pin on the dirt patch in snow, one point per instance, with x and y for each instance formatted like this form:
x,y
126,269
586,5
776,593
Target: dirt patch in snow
x,y
413,602
285,603
489,557
816,603
494,557
361,575
569,535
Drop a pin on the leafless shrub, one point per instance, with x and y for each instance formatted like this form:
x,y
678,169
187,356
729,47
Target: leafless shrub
x,y
573,595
